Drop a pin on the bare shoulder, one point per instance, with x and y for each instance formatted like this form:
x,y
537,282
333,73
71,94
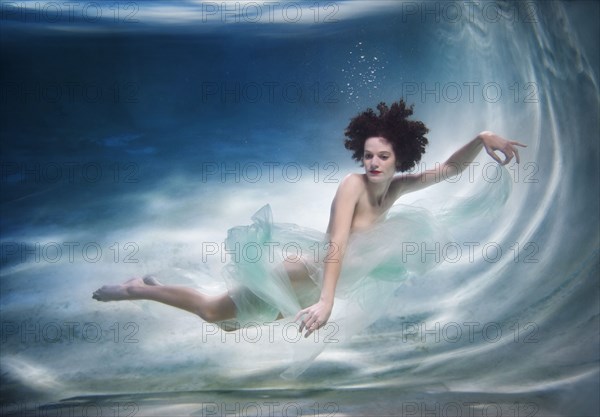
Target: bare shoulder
x,y
349,191
352,185
343,206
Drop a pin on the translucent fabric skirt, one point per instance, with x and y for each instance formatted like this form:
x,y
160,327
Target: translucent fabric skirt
x,y
377,261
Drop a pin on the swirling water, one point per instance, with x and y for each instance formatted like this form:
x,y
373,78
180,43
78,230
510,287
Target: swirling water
x,y
131,143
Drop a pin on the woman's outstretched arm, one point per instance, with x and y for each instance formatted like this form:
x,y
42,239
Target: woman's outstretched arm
x,y
460,159
340,223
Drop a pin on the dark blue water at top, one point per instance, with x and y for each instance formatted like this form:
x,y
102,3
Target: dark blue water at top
x,y
148,135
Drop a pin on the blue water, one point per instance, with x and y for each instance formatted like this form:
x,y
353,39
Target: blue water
x,y
131,142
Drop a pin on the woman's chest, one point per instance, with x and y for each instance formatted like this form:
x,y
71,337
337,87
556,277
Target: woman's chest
x,y
366,213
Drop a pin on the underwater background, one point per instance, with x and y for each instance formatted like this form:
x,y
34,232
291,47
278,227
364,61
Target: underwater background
x,y
135,134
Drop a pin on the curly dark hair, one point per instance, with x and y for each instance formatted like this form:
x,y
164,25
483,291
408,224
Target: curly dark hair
x,y
406,136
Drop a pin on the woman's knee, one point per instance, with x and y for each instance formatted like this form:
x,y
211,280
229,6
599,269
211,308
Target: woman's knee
x,y
217,309
296,271
208,314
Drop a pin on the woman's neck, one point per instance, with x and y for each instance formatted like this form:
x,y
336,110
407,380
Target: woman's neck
x,y
378,191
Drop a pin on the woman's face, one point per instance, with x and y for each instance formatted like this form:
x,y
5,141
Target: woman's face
x,y
379,159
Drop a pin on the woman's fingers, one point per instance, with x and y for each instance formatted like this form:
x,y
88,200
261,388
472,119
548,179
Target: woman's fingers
x,y
511,151
313,317
508,154
516,155
493,143
513,145
310,322
300,314
311,328
305,323
508,150
493,155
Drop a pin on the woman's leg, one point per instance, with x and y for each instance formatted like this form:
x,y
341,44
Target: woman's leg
x,y
304,287
210,308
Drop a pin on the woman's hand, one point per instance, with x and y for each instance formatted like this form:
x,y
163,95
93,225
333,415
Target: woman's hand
x,y
314,317
492,142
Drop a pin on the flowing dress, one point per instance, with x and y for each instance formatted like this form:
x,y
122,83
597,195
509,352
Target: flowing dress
x,y
405,244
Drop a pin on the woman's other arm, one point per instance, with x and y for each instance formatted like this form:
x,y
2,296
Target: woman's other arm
x,y
459,160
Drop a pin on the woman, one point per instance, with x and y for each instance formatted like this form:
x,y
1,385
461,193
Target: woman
x,y
385,143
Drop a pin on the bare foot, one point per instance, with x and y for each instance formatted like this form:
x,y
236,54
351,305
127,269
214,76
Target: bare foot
x,y
118,292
